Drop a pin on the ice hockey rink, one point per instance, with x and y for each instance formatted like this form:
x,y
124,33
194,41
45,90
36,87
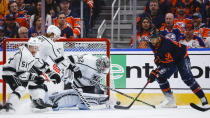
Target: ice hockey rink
x,y
135,111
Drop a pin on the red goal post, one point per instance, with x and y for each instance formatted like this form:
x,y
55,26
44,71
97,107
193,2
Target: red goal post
x,y
95,46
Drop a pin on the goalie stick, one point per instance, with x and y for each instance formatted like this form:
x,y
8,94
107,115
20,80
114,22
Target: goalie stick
x,y
121,93
84,100
131,104
199,108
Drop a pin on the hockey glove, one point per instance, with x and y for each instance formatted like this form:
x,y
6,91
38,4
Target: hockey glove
x,y
39,80
76,70
55,78
152,76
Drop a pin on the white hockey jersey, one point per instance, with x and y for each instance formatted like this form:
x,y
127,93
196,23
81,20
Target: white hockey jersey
x,y
21,62
48,48
87,65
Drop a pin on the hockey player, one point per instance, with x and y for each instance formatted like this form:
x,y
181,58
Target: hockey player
x,y
93,69
48,48
16,72
171,56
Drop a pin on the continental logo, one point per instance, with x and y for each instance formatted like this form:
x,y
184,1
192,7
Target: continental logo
x,y
198,72
117,71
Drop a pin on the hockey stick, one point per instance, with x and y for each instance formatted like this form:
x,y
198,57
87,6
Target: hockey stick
x,y
121,93
84,100
131,104
199,108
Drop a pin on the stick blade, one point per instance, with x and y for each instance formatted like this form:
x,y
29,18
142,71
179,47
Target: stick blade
x,y
121,107
198,108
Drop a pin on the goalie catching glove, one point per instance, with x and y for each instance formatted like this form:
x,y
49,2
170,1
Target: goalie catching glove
x,y
153,76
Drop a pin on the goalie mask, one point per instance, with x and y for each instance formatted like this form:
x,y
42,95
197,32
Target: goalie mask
x,y
103,64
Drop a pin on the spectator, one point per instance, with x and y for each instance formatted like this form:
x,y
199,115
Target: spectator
x,y
29,6
169,30
191,40
20,17
205,13
52,8
23,32
38,5
154,14
181,18
192,6
11,27
200,28
165,6
144,27
20,4
3,8
88,11
71,17
35,30
66,31
173,3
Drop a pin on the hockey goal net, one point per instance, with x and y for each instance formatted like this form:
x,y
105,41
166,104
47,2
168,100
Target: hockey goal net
x,y
94,46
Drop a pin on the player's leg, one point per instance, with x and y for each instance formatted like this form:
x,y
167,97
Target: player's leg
x,y
18,89
165,73
39,97
189,80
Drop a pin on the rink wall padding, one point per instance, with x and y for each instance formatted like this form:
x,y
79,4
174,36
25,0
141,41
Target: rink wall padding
x,y
182,99
129,68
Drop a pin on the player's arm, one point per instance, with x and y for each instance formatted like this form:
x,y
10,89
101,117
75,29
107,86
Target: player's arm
x,y
41,67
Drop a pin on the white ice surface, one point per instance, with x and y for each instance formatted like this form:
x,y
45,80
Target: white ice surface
x,y
134,112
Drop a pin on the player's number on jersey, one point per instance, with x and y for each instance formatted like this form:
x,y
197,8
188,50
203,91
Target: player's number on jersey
x,y
24,64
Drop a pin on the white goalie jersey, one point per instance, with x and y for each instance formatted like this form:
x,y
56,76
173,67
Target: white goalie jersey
x,y
88,67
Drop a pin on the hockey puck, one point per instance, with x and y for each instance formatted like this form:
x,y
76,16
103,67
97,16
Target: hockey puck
x,y
118,102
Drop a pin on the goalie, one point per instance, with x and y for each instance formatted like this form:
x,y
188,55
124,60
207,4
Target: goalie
x,y
69,70
93,69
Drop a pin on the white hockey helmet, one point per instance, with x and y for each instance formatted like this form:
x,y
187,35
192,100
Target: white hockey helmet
x,y
33,41
33,45
55,30
103,64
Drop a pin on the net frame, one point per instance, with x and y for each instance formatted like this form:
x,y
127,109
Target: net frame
x,y
4,55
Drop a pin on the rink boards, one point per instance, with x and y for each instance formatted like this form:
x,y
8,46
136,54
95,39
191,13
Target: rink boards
x,y
129,68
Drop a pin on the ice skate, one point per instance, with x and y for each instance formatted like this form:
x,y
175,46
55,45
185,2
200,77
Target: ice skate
x,y
169,102
204,102
8,107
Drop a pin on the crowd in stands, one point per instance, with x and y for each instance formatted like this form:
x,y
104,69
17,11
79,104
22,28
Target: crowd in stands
x,y
184,21
22,18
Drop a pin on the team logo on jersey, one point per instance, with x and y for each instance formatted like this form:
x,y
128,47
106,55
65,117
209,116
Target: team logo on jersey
x,y
181,24
171,36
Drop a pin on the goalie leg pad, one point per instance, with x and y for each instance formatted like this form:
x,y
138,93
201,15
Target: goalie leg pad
x,y
97,101
66,98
